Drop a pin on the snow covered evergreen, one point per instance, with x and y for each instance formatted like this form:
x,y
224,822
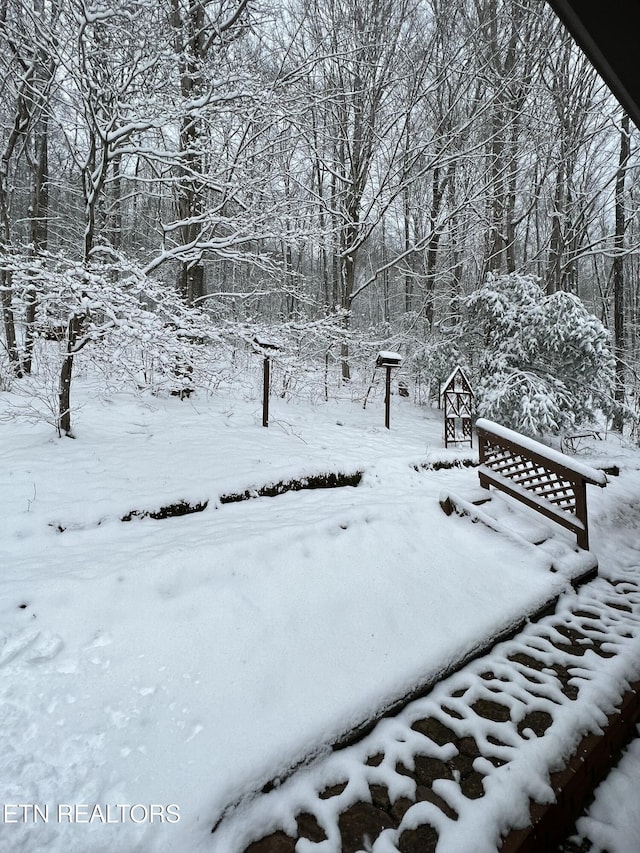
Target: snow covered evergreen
x,y
544,362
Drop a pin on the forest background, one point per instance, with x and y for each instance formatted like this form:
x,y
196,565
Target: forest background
x,y
182,181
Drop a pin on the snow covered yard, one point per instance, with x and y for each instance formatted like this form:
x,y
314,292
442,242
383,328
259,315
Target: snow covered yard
x,y
613,820
183,663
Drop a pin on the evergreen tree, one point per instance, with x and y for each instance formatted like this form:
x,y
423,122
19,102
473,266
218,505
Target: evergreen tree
x,y
545,363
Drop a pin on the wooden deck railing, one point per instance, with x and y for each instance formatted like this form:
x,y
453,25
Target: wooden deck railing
x,y
538,476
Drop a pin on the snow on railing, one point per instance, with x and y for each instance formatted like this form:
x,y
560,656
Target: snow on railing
x,y
538,476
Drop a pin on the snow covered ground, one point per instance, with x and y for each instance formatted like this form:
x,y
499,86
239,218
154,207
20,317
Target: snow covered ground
x,y
612,822
156,671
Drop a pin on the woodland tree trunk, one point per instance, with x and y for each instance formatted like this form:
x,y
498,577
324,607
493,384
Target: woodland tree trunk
x,y
74,330
618,274
39,228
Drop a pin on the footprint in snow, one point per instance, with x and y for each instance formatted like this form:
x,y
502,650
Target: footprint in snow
x,y
100,639
35,646
13,644
46,648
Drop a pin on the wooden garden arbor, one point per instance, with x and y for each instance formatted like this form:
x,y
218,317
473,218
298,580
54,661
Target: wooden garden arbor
x,y
458,400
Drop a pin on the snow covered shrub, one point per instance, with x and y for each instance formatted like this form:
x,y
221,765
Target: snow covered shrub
x,y
34,398
430,363
545,363
307,361
134,330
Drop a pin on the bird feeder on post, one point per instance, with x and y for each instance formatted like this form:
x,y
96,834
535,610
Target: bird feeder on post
x,y
388,360
265,348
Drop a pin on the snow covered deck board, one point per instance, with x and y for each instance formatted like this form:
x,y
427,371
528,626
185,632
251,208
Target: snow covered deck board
x,y
537,476
510,746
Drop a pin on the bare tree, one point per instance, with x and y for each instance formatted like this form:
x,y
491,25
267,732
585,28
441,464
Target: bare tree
x,y
200,31
618,272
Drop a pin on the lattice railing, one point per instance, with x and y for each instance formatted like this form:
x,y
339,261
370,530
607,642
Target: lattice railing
x,y
538,476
